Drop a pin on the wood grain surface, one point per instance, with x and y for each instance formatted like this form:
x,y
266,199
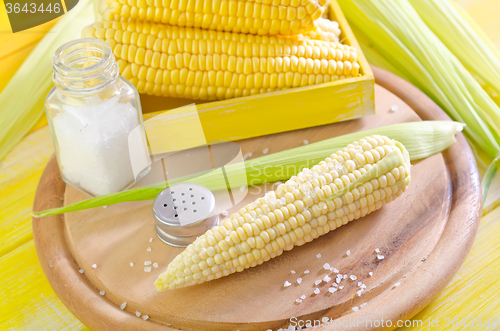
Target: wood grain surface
x,y
424,235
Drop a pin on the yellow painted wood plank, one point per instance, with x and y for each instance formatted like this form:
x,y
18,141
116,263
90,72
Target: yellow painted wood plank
x,y
27,301
20,172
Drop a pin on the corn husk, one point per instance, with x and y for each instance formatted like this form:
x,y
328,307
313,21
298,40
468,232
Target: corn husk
x,y
23,97
398,33
421,139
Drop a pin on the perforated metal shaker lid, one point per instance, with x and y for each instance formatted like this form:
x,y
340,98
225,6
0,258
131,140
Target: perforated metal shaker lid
x,y
183,212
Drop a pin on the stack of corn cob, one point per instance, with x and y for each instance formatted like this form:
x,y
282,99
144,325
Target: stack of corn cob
x,y
221,49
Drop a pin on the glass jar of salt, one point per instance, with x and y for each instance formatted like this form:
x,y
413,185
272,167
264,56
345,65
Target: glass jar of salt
x,y
93,113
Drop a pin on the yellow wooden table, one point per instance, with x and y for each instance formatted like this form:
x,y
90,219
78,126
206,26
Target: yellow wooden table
x,y
27,301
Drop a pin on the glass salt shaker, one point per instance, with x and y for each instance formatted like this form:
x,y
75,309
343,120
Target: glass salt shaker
x,y
92,112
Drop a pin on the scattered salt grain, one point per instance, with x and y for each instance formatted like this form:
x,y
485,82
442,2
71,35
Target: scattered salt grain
x,y
247,155
145,317
377,250
147,262
355,308
155,265
298,300
352,277
150,240
147,269
332,290
138,314
370,273
102,292
81,271
265,151
94,266
306,272
123,305
287,283
393,108
104,206
360,283
359,292
224,213
302,296
131,264
341,287
299,280
242,189
149,249
364,304
397,284
318,255
348,252
318,282
316,291
327,279
326,266
335,284
292,272
306,142
345,277
335,270
363,286
380,257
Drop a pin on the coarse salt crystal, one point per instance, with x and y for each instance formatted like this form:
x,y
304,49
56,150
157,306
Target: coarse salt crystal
x,y
355,308
81,271
94,266
145,317
335,284
327,279
325,319
377,250
150,240
147,269
104,206
370,273
147,262
299,280
341,287
242,189
149,249
306,272
363,286
363,305
292,271
155,265
360,283
138,314
298,300
102,292
123,305
316,291
265,151
326,266
332,290
224,213
345,276
352,277
348,252
318,255
393,108
131,264
287,283
359,292
397,284
306,142
335,270
380,257
318,282
302,296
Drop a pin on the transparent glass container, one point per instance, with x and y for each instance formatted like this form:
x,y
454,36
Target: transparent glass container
x,y
92,111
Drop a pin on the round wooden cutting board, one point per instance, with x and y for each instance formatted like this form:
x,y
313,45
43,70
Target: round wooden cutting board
x,y
424,237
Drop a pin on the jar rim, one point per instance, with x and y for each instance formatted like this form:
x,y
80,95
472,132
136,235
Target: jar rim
x,y
58,60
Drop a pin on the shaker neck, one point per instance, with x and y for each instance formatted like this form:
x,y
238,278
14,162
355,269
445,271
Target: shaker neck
x,y
84,66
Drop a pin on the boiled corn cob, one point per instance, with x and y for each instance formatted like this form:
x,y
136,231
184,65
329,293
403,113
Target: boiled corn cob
x,y
209,65
349,184
262,17
326,30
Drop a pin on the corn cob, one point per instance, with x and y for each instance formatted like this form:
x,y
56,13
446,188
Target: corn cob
x,y
326,30
209,65
262,17
349,184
